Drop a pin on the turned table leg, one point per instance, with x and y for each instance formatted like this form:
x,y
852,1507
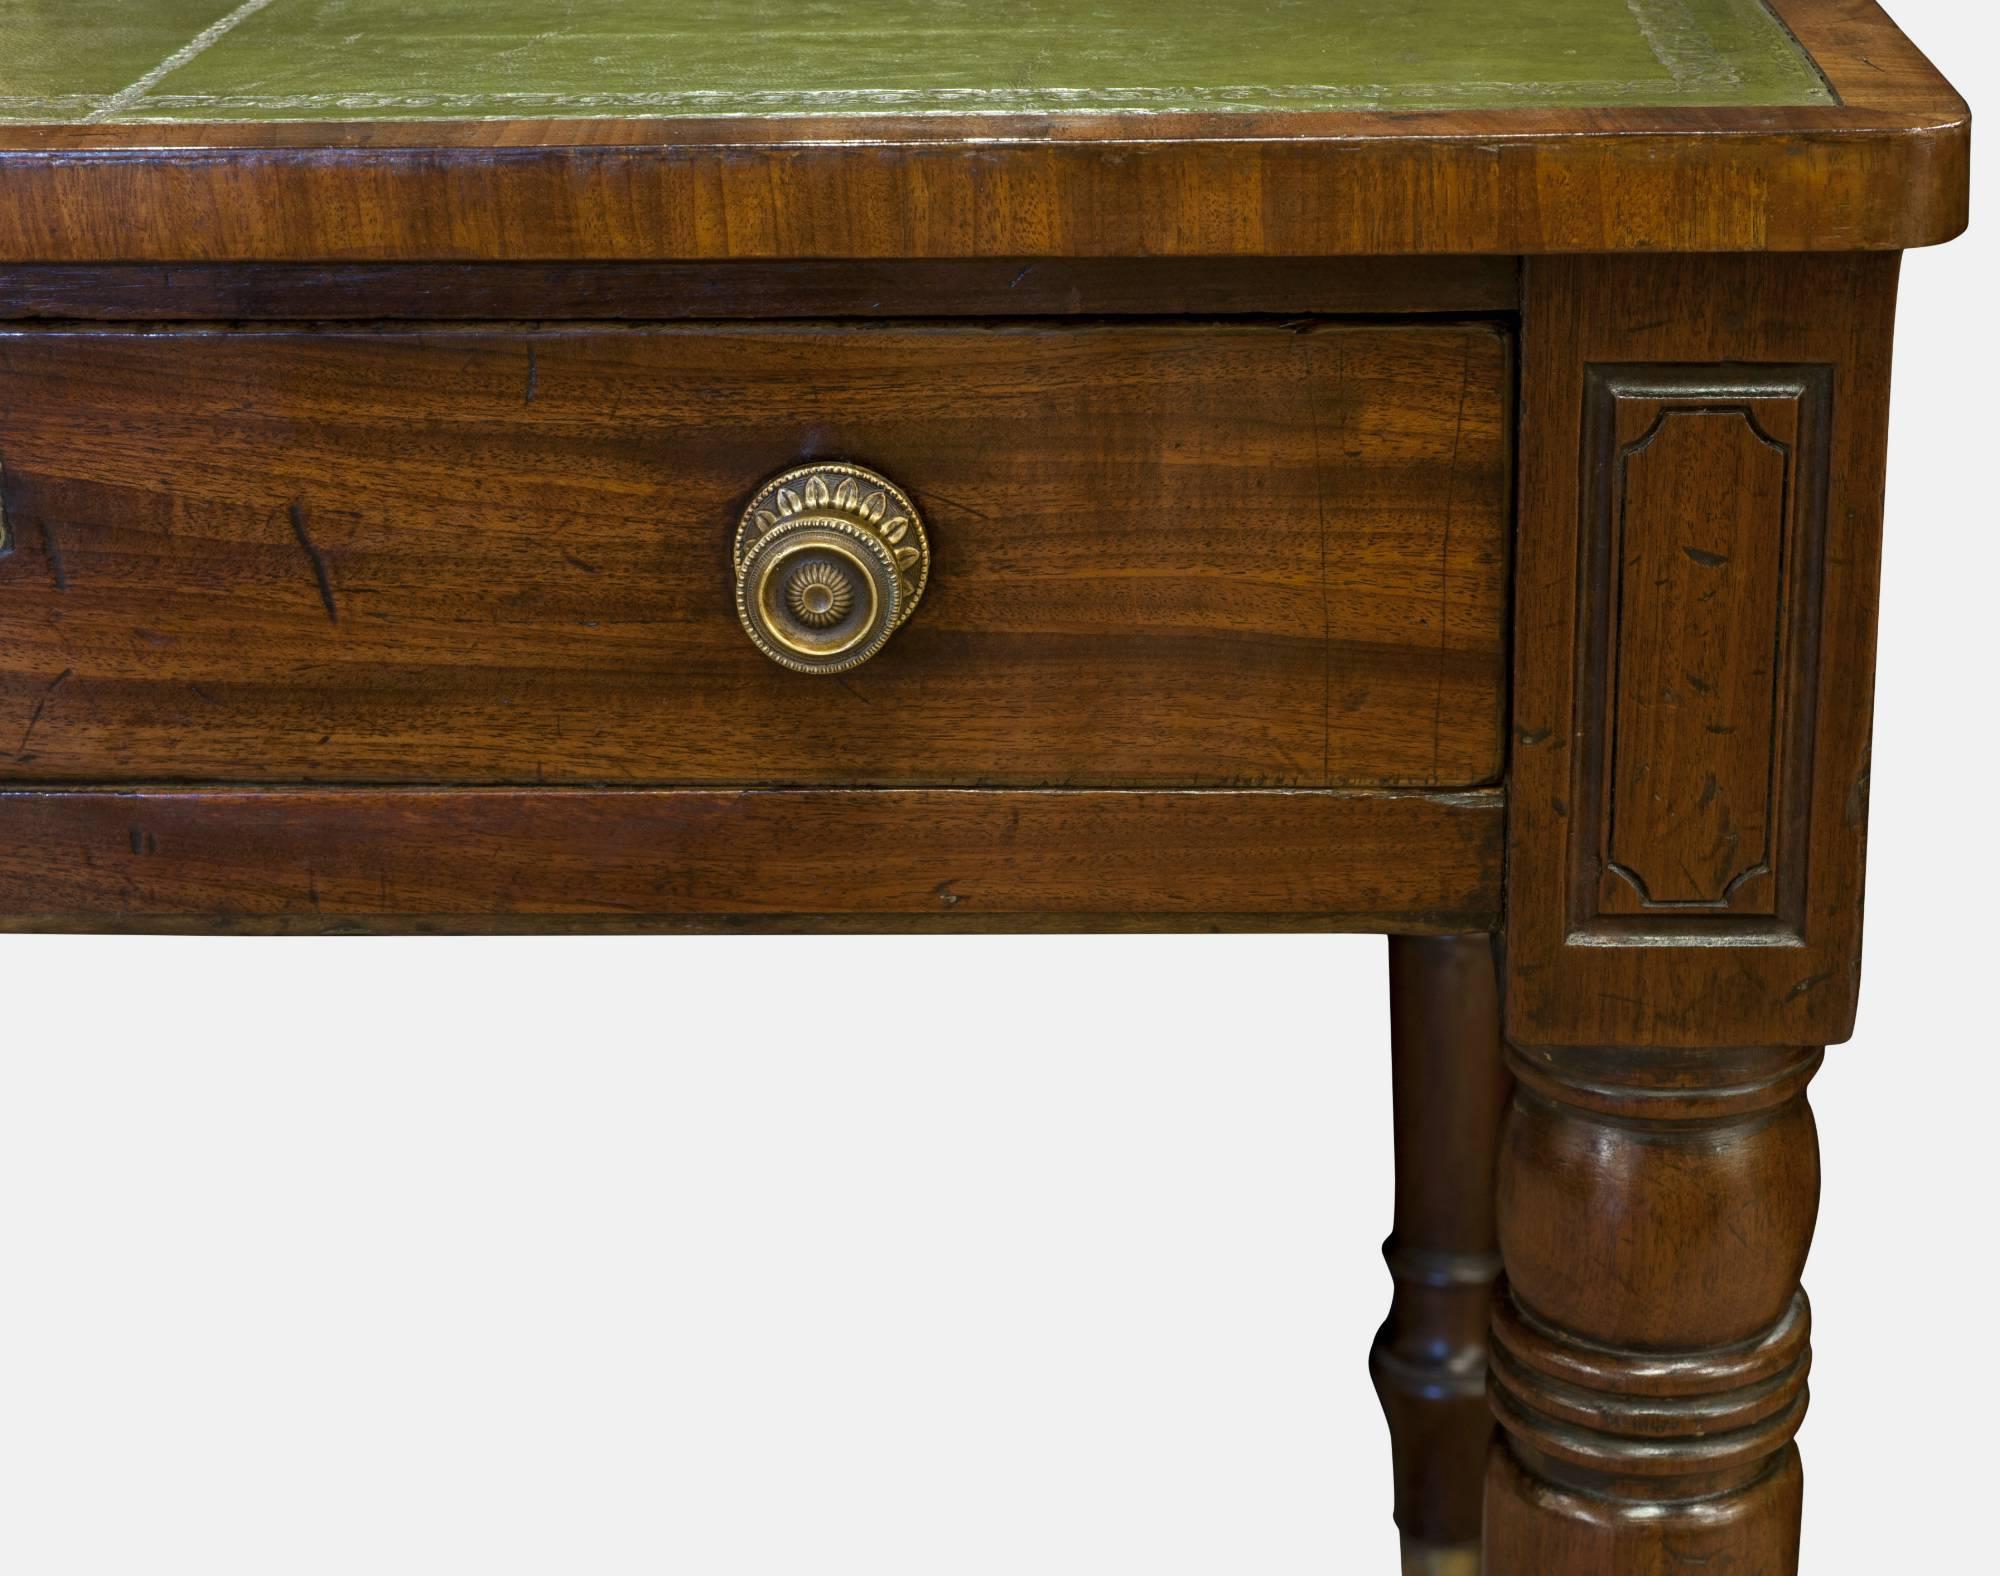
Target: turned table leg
x,y
1650,1344
1696,567
1429,1361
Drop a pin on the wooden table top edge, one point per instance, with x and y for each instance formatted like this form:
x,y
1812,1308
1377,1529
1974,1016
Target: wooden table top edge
x,y
1885,168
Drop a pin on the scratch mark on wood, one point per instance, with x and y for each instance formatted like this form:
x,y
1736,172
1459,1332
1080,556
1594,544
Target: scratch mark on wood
x,y
977,514
534,376
27,733
1857,799
318,561
1809,983
946,896
1707,560
35,717
52,544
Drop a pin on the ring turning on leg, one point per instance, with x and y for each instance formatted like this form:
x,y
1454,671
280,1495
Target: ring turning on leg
x,y
1651,1344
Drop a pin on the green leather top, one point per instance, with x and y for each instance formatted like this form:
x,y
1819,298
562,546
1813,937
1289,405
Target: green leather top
x,y
331,60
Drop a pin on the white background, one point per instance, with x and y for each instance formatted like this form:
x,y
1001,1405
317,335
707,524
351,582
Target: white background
x,y
656,1255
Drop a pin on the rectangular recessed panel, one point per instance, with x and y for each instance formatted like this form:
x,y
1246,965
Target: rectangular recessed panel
x,y
387,59
1164,554
1702,572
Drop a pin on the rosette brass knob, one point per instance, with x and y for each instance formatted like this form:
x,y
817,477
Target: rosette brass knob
x,y
831,561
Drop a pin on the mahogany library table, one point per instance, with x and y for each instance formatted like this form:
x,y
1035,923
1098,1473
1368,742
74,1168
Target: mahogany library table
x,y
1410,466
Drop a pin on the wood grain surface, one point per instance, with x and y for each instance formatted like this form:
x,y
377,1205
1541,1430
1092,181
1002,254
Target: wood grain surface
x,y
1193,555
1884,167
1651,1346
1429,1359
386,859
1706,532
1708,734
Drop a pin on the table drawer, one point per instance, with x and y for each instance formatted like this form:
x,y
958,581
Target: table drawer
x,y
1173,554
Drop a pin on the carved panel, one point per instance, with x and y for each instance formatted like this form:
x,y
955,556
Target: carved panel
x,y
1705,488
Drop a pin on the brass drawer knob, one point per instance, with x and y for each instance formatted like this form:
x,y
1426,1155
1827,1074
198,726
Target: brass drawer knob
x,y
831,561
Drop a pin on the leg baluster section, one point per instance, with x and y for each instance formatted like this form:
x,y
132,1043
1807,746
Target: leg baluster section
x,y
1651,1343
